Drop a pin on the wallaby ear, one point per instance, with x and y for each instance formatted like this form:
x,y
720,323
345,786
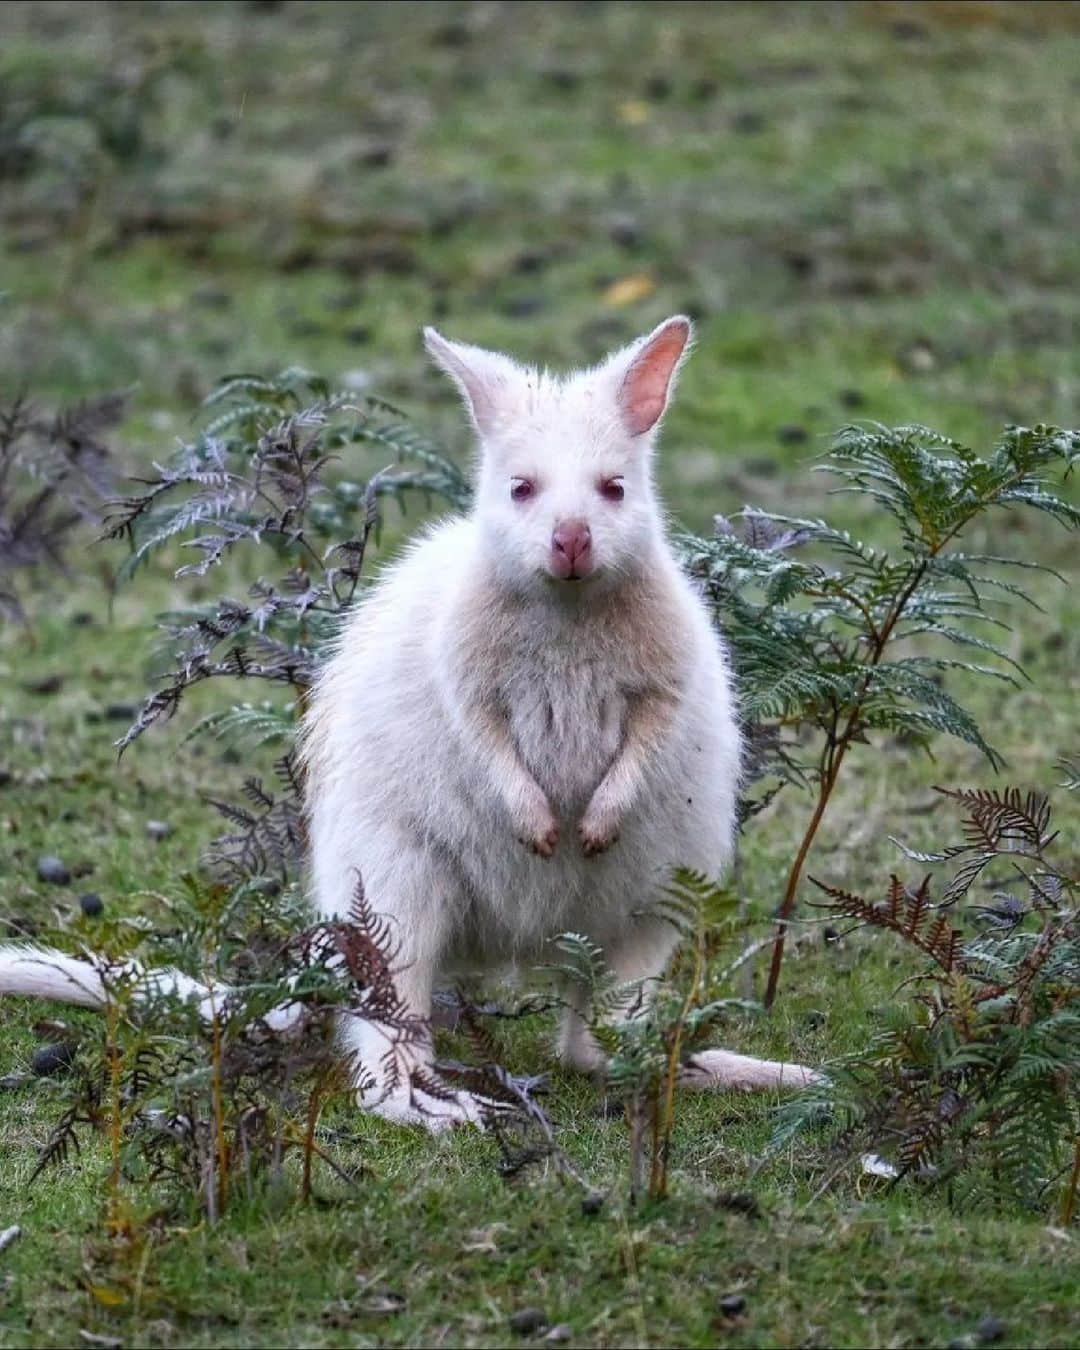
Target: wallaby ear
x,y
487,380
651,366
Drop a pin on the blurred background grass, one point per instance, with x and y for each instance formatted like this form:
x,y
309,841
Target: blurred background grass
x,y
869,207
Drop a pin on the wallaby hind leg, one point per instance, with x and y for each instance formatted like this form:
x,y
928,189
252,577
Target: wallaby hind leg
x,y
643,954
392,1052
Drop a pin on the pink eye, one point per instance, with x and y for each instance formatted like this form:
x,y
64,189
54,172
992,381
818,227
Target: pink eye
x,y
612,490
521,489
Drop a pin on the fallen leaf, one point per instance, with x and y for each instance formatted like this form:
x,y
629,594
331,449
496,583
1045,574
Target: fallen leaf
x,y
633,112
108,1298
630,289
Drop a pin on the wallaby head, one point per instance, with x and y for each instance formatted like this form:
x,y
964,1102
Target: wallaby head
x,y
564,490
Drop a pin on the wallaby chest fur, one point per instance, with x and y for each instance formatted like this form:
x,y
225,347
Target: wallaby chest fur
x,y
395,765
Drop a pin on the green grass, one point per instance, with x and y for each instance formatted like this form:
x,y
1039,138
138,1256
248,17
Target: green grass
x,y
871,210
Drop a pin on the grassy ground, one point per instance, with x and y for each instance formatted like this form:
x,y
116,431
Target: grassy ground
x,y
871,210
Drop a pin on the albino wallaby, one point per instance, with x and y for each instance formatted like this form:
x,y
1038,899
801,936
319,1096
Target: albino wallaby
x,y
526,726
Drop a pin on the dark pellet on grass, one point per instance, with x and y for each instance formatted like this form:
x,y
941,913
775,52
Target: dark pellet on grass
x,y
565,80
792,434
48,684
53,1059
530,262
527,1321
739,1202
91,904
524,307
626,233
731,1305
747,123
158,829
592,1204
799,263
52,870
991,1330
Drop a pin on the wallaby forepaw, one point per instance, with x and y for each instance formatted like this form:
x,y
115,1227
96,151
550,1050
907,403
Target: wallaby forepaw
x,y
541,837
597,836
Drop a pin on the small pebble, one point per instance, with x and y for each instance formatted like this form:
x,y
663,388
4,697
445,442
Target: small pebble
x,y
9,1236
739,1202
991,1330
731,1305
50,1060
747,122
158,829
52,870
11,1081
91,904
48,684
524,307
562,1331
626,232
527,1321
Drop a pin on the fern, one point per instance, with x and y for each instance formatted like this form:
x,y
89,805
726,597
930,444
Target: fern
x,y
813,633
261,476
977,1084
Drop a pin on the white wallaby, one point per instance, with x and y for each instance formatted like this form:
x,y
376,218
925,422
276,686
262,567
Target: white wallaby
x,y
526,726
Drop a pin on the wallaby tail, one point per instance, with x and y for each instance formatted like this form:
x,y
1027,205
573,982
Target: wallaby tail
x,y
44,972
714,1070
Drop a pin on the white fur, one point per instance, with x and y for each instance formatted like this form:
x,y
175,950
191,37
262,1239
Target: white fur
x,y
503,756
475,706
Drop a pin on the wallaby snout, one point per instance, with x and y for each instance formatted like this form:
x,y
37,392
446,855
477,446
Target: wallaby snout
x,y
571,550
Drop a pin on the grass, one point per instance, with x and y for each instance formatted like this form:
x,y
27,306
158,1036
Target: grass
x,y
870,208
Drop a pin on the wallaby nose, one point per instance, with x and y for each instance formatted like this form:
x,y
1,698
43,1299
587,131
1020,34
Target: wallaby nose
x,y
571,545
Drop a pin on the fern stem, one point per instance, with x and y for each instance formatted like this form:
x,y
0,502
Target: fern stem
x,y
832,758
664,1121
1068,1203
787,905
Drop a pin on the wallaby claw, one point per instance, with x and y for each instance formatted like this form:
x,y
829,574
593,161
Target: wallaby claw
x,y
543,845
594,841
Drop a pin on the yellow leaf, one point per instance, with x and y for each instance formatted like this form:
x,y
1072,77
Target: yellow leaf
x,y
108,1298
633,112
629,290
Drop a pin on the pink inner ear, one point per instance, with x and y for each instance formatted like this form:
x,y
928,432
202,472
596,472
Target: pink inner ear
x,y
644,391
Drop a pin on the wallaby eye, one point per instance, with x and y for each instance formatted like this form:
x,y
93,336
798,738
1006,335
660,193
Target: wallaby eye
x,y
612,490
521,489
